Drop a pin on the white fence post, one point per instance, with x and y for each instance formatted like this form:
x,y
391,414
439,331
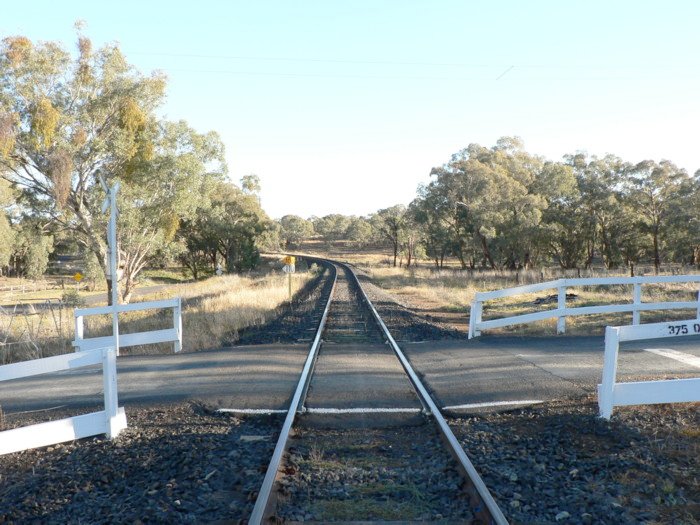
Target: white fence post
x,y
474,318
79,330
697,315
636,300
177,323
605,391
561,306
109,383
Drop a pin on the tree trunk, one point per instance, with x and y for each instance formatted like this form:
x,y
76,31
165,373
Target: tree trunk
x,y
128,290
657,257
487,252
109,292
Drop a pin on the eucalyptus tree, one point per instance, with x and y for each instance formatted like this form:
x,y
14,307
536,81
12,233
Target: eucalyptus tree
x,y
683,223
359,231
295,229
31,248
601,183
332,227
390,224
7,233
66,121
653,189
238,222
437,220
566,227
489,197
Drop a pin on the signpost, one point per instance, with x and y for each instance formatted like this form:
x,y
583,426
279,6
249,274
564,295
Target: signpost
x,y
77,278
110,203
289,269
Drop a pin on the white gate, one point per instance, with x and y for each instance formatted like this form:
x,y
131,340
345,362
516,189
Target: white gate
x,y
110,421
476,324
612,394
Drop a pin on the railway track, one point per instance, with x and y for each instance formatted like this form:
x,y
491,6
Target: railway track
x,y
353,344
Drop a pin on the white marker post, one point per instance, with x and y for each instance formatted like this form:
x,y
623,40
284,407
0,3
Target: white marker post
x,y
289,269
112,253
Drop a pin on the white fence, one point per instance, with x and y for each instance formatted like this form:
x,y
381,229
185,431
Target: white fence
x,y
110,421
168,335
612,394
561,312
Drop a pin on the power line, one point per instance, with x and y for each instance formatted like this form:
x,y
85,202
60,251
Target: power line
x,y
599,65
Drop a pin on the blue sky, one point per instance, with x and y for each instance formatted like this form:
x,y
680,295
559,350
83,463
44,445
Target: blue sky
x,y
344,107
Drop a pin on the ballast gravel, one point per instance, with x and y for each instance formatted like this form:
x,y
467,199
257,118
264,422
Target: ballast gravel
x,y
561,463
173,464
377,474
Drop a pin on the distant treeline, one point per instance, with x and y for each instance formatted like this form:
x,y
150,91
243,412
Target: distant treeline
x,y
505,208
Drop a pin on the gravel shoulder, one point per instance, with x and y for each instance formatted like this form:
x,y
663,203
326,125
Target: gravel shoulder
x,y
174,464
560,463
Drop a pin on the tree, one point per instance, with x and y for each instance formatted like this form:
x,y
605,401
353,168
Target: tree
x,y
7,233
601,184
359,231
391,224
566,227
683,226
31,249
490,199
250,184
65,122
652,192
332,227
434,222
294,230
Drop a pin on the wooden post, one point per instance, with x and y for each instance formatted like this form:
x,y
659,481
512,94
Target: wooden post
x,y
607,387
79,332
109,380
177,323
475,318
561,306
636,300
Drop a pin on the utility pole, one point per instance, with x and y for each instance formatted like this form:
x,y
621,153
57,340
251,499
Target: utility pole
x,y
110,203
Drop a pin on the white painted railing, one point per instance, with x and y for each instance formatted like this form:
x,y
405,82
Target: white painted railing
x,y
169,335
561,312
110,421
612,394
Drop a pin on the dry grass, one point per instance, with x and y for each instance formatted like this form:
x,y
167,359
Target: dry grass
x,y
214,310
452,290
17,290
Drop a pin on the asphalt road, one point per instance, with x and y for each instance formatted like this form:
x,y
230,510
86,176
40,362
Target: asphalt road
x,y
489,370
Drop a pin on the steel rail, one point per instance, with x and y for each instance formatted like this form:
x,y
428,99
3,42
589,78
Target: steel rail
x,y
263,499
493,513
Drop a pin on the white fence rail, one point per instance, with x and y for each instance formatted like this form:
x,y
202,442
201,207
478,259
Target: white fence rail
x,y
612,394
168,335
110,421
561,312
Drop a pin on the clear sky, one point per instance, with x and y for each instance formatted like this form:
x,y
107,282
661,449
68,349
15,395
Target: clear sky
x,y
345,106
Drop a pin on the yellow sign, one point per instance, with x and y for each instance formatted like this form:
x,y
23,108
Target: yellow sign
x,y
78,277
289,259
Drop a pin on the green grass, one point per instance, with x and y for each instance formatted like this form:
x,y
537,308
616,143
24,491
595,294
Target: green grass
x,y
357,506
